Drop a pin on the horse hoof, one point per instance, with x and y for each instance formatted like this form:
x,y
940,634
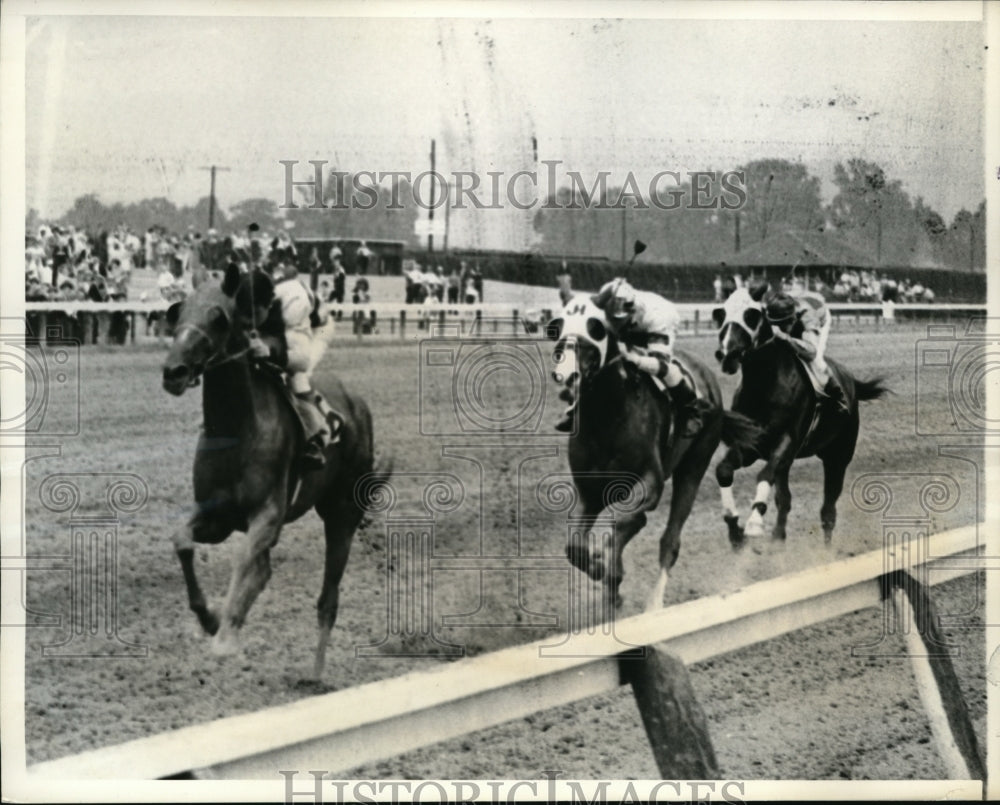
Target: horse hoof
x,y
225,646
209,621
753,531
737,536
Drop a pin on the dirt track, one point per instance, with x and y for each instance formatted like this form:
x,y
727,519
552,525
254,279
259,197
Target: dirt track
x,y
795,708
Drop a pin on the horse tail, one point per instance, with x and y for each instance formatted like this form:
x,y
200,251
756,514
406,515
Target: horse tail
x,y
739,431
871,389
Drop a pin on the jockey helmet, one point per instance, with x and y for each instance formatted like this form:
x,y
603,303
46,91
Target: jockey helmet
x,y
623,304
780,308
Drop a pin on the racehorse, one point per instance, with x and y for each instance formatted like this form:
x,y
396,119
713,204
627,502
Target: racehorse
x,y
776,392
246,476
627,435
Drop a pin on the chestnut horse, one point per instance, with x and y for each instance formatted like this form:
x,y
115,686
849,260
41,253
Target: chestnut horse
x,y
246,474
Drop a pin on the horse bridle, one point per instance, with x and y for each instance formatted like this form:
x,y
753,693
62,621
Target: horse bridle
x,y
214,359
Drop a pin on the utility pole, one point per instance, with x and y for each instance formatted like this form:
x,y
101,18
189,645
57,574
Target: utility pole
x,y
624,238
447,223
430,212
211,192
737,227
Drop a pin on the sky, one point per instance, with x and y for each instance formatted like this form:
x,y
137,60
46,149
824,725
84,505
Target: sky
x,y
135,107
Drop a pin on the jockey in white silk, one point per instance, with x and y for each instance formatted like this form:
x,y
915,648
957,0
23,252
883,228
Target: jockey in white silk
x,y
803,320
305,345
645,316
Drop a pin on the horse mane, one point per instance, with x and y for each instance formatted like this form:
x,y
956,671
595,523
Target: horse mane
x,y
271,328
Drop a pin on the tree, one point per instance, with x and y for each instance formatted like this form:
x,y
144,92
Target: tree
x,y
88,213
780,195
32,221
262,211
876,213
966,241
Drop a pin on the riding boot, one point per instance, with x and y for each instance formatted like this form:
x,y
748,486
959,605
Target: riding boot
x,y
689,407
313,457
835,394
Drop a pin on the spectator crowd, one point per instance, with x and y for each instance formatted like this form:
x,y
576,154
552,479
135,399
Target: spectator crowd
x,y
66,263
851,286
430,287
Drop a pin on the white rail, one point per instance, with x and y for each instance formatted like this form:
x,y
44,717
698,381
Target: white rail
x,y
345,729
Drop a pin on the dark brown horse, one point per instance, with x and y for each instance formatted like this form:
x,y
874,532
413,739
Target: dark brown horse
x,y
776,393
246,475
628,442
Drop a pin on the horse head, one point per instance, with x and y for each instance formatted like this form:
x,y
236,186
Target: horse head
x,y
210,326
583,343
740,321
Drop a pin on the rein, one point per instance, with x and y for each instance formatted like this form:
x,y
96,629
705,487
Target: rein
x,y
219,356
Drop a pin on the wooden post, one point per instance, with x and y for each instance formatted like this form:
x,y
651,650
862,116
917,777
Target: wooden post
x,y
402,324
696,320
674,721
937,683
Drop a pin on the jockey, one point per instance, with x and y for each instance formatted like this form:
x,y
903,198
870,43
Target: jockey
x,y
646,316
297,303
803,320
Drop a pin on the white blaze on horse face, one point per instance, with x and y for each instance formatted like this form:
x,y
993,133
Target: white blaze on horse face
x,y
736,306
581,321
566,363
729,342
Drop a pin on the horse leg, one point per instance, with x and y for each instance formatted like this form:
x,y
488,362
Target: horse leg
x,y
578,546
339,528
782,500
686,478
765,479
834,468
608,557
724,472
184,541
251,570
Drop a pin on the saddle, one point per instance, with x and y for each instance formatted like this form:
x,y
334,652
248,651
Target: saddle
x,y
815,380
334,420
688,377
